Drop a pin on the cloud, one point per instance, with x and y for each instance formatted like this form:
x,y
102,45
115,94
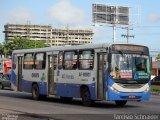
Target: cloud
x,y
154,17
66,13
20,15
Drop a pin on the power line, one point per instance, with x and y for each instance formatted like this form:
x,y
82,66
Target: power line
x,y
147,26
127,35
154,50
148,33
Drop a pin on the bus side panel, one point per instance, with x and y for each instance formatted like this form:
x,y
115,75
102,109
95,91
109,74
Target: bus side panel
x,y
13,80
27,86
14,72
68,90
13,77
42,88
31,77
92,89
69,82
73,90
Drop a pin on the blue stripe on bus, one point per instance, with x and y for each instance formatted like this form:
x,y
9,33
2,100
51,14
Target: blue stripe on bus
x,y
109,82
27,87
13,77
73,90
62,89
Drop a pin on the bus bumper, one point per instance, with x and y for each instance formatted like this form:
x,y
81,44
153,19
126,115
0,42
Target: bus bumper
x,y
129,96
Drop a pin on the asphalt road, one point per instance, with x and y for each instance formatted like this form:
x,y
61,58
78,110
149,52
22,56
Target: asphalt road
x,y
20,106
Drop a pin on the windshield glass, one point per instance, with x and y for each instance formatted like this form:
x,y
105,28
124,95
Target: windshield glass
x,y
130,66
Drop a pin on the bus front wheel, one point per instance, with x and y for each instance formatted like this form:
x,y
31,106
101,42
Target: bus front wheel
x,y
86,97
120,102
35,92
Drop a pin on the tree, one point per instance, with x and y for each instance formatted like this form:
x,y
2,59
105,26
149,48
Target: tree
x,y
1,50
13,44
33,44
19,42
158,57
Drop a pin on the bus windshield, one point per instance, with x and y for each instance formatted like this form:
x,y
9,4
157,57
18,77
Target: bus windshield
x,y
130,67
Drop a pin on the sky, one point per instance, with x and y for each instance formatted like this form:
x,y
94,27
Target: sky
x,y
76,14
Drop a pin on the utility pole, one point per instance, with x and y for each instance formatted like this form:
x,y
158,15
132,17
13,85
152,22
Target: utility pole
x,y
67,34
114,33
127,36
114,21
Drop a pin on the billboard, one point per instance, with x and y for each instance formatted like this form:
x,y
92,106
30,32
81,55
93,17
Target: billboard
x,y
110,14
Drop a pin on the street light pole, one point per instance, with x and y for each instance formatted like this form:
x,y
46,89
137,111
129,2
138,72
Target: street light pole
x,y
114,33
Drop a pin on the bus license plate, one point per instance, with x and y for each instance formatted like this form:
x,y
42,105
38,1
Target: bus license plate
x,y
131,96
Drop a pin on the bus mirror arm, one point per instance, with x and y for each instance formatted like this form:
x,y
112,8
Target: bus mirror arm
x,y
150,63
109,57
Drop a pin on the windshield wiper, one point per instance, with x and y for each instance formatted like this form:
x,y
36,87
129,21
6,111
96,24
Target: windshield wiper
x,y
132,81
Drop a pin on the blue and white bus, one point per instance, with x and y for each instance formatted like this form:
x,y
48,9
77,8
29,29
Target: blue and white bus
x,y
102,72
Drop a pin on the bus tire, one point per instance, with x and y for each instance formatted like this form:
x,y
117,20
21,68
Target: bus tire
x,y
120,102
86,97
35,92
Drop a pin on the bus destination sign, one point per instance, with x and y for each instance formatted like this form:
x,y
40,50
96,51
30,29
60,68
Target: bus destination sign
x,y
128,48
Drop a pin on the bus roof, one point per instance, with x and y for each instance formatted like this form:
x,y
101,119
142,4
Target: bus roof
x,y
72,47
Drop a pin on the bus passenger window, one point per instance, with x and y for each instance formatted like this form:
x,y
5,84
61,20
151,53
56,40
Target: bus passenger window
x,y
28,61
86,59
60,60
40,60
70,60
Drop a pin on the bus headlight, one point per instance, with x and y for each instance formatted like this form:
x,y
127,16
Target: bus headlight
x,y
114,89
146,90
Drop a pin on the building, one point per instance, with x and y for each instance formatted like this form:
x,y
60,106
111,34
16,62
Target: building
x,y
33,32
51,36
70,36
155,68
155,64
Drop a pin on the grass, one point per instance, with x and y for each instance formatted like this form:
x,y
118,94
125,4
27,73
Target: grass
x,y
155,88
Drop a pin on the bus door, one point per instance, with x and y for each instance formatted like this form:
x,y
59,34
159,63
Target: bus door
x,y
52,63
19,75
101,69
